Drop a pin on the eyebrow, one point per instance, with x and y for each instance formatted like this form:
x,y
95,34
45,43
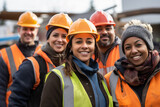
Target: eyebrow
x,y
135,42
82,38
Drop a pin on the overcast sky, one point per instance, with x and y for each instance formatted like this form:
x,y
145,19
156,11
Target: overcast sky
x,y
70,6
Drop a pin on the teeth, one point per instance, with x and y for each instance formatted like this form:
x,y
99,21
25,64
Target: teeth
x,y
136,57
58,45
84,52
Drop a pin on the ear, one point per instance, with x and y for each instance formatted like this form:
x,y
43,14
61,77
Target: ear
x,y
18,29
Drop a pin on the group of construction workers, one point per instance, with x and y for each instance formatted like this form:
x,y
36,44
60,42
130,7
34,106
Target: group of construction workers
x,y
82,64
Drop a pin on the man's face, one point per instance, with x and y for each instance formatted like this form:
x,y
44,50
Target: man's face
x,y
27,34
107,35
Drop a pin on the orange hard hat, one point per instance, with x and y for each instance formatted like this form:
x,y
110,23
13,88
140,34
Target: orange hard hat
x,y
28,19
101,18
61,20
82,26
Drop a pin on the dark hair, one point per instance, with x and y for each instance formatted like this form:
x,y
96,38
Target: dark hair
x,y
68,57
53,28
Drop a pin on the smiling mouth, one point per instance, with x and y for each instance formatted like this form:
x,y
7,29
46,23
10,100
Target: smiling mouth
x,y
58,44
136,58
84,53
27,35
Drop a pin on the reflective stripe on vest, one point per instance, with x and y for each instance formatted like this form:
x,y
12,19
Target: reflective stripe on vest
x,y
13,57
113,83
36,71
11,60
113,56
35,66
104,71
108,93
71,96
48,61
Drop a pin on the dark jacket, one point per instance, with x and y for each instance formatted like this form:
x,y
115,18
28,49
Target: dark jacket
x,y
24,94
4,73
53,94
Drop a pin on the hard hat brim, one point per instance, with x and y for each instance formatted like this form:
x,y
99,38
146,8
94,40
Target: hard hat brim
x,y
97,35
100,24
47,26
29,25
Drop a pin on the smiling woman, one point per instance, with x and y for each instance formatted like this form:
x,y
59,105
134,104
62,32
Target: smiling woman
x,y
83,47
136,76
77,82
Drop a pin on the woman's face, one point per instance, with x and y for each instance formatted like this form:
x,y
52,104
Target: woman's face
x,y
83,46
57,40
135,50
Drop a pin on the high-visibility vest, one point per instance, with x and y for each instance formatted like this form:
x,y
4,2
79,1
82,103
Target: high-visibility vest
x,y
13,57
113,56
35,65
78,97
128,98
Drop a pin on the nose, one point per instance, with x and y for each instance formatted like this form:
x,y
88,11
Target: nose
x,y
29,31
134,50
59,39
104,31
84,45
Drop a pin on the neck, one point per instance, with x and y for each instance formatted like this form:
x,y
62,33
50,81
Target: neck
x,y
28,44
104,49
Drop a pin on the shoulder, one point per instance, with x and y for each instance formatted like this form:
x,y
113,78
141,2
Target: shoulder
x,y
52,78
26,66
56,73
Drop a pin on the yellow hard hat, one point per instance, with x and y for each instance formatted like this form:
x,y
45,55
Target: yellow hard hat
x,y
28,19
61,20
82,26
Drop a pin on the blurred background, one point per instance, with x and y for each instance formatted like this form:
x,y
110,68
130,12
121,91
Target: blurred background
x,y
147,11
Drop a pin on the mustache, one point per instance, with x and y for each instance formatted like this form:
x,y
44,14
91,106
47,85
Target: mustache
x,y
104,35
27,34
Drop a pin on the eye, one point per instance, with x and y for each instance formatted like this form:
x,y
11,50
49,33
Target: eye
x,y
99,29
127,47
138,45
108,29
63,36
78,41
32,29
24,28
55,35
89,42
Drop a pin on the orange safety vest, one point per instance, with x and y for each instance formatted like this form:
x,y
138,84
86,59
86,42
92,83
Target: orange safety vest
x,y
48,61
128,98
13,57
35,64
113,56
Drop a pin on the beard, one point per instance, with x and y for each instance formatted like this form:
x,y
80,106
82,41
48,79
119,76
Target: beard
x,y
104,43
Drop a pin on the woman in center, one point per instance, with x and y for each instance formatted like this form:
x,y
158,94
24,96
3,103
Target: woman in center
x,y
77,83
